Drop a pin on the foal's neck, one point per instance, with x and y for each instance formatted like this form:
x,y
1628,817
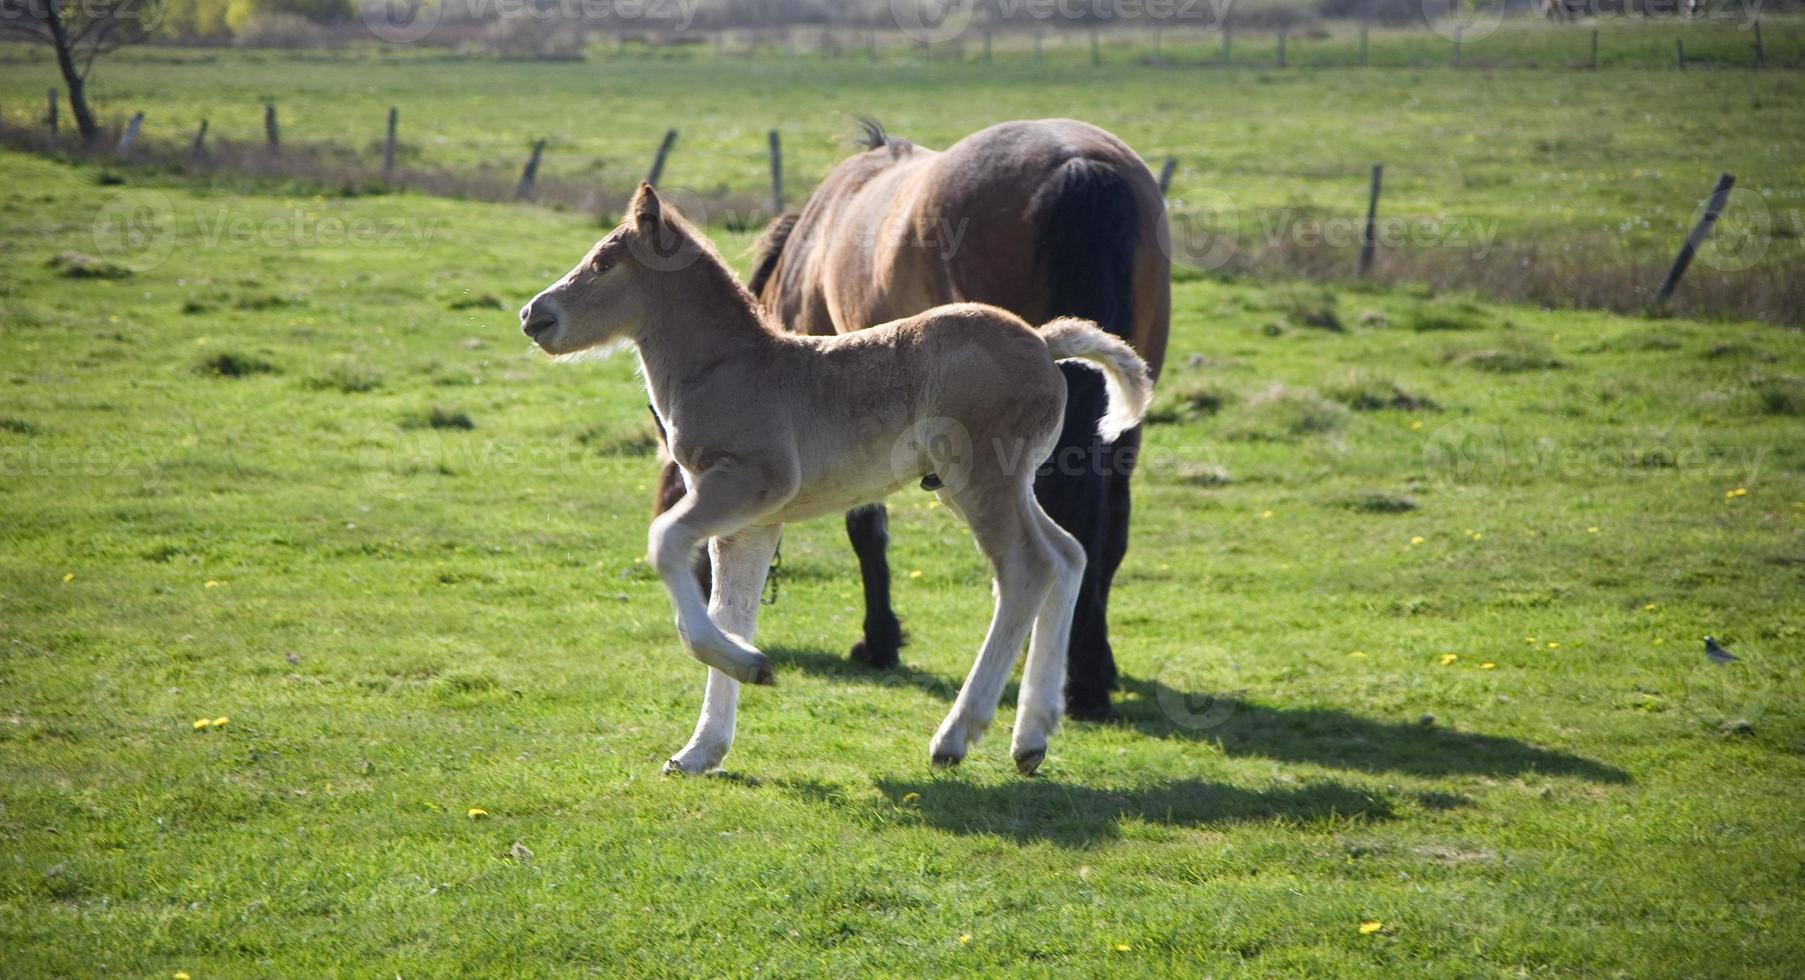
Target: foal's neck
x,y
705,321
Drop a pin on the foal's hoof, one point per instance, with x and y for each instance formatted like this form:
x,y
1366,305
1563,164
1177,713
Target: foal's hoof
x,y
1029,760
947,761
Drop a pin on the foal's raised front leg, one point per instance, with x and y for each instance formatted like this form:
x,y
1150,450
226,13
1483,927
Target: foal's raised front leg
x,y
723,499
740,562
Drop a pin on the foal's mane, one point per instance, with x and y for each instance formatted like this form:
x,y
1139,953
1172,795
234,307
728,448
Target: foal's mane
x,y
717,267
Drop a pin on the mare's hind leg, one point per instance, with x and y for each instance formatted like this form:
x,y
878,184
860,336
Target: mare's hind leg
x,y
1075,489
740,562
1006,524
869,530
1042,696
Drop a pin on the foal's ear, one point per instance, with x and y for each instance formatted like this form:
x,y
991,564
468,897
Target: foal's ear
x,y
645,212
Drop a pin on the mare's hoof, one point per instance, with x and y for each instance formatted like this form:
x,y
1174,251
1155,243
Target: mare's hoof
x,y
1030,760
764,675
876,655
1099,711
947,761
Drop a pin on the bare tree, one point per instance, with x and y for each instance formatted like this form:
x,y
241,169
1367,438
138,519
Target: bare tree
x,y
80,31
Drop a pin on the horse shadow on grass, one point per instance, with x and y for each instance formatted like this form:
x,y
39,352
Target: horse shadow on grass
x,y
1070,815
1241,726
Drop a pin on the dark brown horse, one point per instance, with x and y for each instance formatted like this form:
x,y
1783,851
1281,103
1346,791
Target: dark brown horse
x,y
1044,218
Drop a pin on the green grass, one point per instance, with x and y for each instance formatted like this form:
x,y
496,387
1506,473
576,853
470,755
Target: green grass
x,y
405,620
1600,169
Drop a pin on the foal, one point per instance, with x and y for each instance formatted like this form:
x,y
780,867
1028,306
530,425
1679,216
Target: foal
x,y
771,427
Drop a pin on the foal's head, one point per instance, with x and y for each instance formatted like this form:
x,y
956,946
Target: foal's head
x,y
621,286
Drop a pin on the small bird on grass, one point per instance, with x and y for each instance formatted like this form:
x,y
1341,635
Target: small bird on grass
x,y
1718,654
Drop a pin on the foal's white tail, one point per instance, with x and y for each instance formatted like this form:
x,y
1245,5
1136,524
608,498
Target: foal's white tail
x,y
1125,375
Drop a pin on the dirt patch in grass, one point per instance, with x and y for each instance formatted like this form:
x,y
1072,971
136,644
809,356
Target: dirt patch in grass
x,y
231,364
79,265
1364,391
1515,356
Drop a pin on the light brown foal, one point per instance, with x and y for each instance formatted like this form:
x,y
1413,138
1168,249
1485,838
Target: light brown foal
x,y
771,427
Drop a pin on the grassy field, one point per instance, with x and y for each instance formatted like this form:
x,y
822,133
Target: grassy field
x,y
1410,631
1549,186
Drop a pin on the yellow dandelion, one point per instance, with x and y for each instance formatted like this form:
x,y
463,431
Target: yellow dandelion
x,y
212,583
1416,425
1164,567
1488,665
1368,928
1358,653
933,504
1738,492
477,813
1649,608
220,722
915,574
1448,658
1265,514
179,975
1592,530
1416,539
1659,641
200,724
1476,535
910,797
964,937
1121,947
1553,645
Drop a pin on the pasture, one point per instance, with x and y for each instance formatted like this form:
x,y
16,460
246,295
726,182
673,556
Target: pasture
x,y
1410,627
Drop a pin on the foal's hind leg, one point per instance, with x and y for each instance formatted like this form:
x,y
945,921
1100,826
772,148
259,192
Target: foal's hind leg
x,y
1005,522
740,562
1042,697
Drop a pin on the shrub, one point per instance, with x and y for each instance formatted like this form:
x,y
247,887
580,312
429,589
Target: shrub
x,y
278,30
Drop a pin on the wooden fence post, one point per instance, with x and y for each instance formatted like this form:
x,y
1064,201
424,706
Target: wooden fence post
x,y
1096,48
531,173
1679,53
1225,44
1369,238
1039,41
271,133
776,173
870,44
1720,195
131,134
388,146
1760,55
1594,60
1363,30
987,40
198,148
1159,43
1454,56
1281,47
52,117
664,150
1165,174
